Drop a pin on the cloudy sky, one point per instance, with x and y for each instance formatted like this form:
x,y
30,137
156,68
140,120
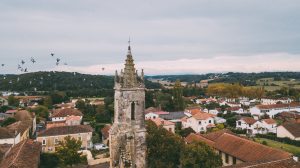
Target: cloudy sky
x,y
168,37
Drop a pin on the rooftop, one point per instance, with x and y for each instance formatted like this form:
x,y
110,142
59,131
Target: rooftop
x,y
66,130
66,112
25,154
293,128
202,116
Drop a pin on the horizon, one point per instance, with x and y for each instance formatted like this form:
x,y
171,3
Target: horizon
x,y
157,74
194,37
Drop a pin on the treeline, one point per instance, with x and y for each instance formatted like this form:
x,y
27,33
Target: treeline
x,y
74,84
245,79
234,91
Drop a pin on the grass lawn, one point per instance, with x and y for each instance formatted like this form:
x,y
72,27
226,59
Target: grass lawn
x,y
286,147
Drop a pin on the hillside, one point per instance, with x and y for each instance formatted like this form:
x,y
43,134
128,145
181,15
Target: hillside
x,y
247,79
72,83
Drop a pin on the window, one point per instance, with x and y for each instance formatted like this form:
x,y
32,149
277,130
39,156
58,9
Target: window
x,y
239,123
79,138
44,142
234,160
199,122
56,141
209,121
226,158
132,111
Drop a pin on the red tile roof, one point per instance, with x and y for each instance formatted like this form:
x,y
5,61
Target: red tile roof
x,y
247,150
293,128
241,148
192,137
282,163
272,106
248,120
26,154
213,136
269,121
66,112
202,116
159,121
66,130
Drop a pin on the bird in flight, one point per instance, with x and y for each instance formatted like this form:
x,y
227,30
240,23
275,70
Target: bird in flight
x,y
57,61
52,54
32,60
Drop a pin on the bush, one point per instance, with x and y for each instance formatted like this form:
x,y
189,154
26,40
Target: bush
x,y
264,143
273,137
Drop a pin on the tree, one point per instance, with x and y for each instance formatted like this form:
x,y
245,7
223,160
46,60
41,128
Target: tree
x,y
12,101
178,97
48,102
8,121
68,151
185,132
163,147
41,111
49,160
199,155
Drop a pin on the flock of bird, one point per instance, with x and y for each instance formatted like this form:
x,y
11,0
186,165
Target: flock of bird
x,y
23,68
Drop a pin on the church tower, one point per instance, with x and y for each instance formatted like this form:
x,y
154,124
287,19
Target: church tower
x,y
128,134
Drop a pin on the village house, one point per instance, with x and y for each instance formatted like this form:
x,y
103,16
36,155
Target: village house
x,y
272,110
25,154
206,101
8,136
203,83
11,113
51,137
156,114
235,150
199,122
245,123
270,101
21,127
27,119
233,104
192,110
290,130
67,114
237,110
168,125
255,126
64,105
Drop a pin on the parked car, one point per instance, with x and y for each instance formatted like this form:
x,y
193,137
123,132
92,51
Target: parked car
x,y
100,146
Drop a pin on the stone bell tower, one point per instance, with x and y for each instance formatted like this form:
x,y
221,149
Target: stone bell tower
x,y
128,134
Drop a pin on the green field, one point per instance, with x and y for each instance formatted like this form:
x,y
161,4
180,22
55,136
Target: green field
x,y
270,84
282,146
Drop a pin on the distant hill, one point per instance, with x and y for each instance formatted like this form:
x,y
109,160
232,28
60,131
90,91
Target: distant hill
x,y
73,83
247,79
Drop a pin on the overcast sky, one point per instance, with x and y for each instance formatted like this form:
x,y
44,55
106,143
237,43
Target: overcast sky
x,y
168,36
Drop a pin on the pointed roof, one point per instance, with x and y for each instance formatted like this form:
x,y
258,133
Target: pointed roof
x,y
130,76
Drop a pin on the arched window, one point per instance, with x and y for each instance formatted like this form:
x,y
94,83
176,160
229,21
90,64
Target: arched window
x,y
132,111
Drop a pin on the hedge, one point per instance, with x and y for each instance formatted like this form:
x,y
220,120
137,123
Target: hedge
x,y
275,138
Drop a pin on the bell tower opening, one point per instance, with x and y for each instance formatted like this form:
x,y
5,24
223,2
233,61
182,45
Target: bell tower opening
x,y
132,111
